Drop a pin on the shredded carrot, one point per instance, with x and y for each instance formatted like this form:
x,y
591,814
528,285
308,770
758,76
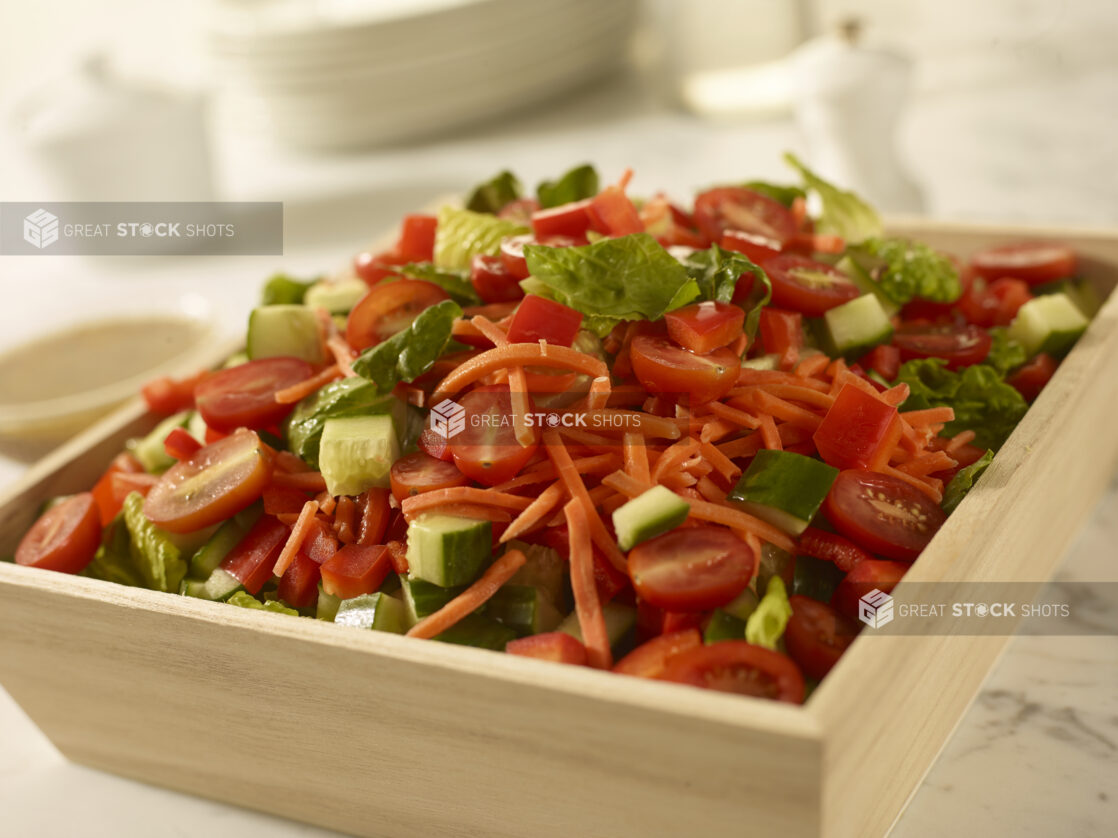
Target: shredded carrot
x,y
295,540
929,486
297,392
749,376
714,430
612,420
769,434
958,441
709,490
721,463
535,512
306,481
673,457
326,502
927,464
461,494
592,442
896,394
545,471
503,357
792,392
591,620
812,366
766,403
286,461
478,511
345,520
929,416
731,414
343,355
496,575
518,381
636,457
677,480
598,397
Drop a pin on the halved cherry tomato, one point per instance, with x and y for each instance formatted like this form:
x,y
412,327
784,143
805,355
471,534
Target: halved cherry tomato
x,y
737,208
373,267
244,396
817,635
781,332
435,445
298,586
168,395
389,308
649,660
993,304
492,280
564,220
859,430
417,238
960,346
487,449
876,573
883,359
179,444
704,327
109,501
734,666
667,369
538,318
65,538
882,514
691,569
1030,379
830,547
519,211
670,225
355,570
754,247
612,212
214,484
254,557
1035,262
557,646
512,254
804,285
416,473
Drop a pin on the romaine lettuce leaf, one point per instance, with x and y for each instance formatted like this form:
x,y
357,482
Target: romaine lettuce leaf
x,y
716,271
113,560
781,194
905,269
346,397
844,213
494,193
579,183
456,283
462,234
412,351
1005,353
628,278
243,599
964,481
154,554
766,624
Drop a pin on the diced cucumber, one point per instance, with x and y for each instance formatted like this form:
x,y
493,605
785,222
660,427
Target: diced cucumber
x,y
743,604
328,605
357,452
284,330
765,626
816,578
1079,291
723,626
620,620
480,631
784,488
196,426
774,562
149,449
852,328
422,598
545,569
1050,323
378,611
648,515
762,362
447,550
866,284
524,608
217,588
336,297
207,558
235,360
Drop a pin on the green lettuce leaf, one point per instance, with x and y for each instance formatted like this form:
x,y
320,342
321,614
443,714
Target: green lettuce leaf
x,y
113,560
154,553
494,193
412,351
906,269
781,194
1005,353
716,272
243,599
456,283
284,290
628,278
579,183
463,234
347,397
844,213
982,401
964,481
766,624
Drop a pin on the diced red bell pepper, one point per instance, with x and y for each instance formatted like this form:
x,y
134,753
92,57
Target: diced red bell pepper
x,y
417,238
376,511
281,500
754,247
782,333
298,586
650,659
538,318
555,646
320,543
493,281
704,327
108,492
170,395
252,560
356,570
613,213
884,359
859,431
179,444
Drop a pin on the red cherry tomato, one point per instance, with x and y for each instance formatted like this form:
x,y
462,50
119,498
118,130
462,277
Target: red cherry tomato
x,y
355,570
865,577
782,333
993,304
691,569
859,430
565,220
417,238
734,666
487,449
1034,262
704,327
416,473
519,211
108,500
649,660
170,395
804,285
254,557
244,396
754,247
435,445
212,485
492,280
666,368
298,586
960,346
376,511
882,514
670,225
556,646
65,538
389,308
283,500
817,635
512,254
883,359
1030,379
538,318
373,267
830,547
737,208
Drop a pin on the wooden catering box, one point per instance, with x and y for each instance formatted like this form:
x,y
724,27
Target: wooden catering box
x,y
377,734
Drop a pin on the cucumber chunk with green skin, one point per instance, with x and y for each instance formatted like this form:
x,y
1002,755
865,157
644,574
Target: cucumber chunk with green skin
x,y
1050,324
1079,291
217,588
620,621
854,327
447,550
422,598
866,283
207,557
378,612
784,488
328,605
723,626
288,330
356,453
480,631
149,449
524,608
648,515
816,578
336,297
742,605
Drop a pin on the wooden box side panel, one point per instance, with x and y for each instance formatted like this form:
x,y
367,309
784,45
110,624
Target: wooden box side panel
x,y
892,702
323,725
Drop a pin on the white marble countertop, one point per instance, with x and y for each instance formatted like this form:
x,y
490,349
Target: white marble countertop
x,y
1036,755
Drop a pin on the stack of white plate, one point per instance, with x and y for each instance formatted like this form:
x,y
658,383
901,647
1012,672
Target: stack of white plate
x,y
338,74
